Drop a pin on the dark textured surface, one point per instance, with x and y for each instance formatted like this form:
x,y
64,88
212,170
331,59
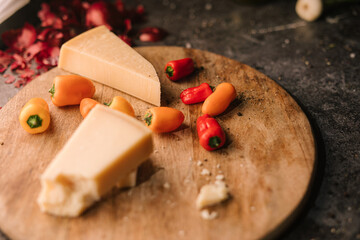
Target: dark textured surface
x,y
318,63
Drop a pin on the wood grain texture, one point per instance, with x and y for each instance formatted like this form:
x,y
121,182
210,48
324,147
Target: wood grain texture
x,y
268,162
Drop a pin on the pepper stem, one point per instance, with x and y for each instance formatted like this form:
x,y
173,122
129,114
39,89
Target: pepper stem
x,y
52,90
148,118
214,142
34,121
107,104
169,71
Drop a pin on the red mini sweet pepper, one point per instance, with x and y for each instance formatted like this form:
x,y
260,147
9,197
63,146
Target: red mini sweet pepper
x,y
196,94
211,135
178,69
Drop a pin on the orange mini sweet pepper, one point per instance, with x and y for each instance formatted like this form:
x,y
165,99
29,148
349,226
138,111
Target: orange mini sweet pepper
x,y
163,119
219,100
118,103
86,105
122,105
70,90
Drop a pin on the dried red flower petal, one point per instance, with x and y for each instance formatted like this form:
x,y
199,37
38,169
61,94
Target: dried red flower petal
x,y
18,63
140,10
33,50
52,36
19,83
120,6
128,26
98,14
152,34
20,38
26,73
48,18
126,39
48,57
5,60
9,78
67,16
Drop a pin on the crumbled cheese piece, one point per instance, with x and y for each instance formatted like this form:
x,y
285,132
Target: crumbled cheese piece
x,y
219,182
190,159
211,194
218,166
205,172
199,163
220,177
205,214
166,185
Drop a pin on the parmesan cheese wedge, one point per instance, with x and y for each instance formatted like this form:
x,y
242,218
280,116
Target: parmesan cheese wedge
x,y
106,147
102,56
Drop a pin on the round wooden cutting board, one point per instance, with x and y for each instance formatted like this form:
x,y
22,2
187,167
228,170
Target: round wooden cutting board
x,y
268,162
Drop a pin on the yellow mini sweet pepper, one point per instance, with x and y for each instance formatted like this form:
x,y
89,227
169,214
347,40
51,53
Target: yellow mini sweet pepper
x,y
35,116
122,105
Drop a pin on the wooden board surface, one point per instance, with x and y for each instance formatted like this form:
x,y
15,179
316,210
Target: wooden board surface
x,y
268,162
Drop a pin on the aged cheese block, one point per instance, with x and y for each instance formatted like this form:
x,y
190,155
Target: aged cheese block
x,y
106,147
100,55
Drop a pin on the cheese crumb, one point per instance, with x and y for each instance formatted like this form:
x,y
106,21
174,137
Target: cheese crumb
x,y
190,159
220,177
211,194
199,163
166,185
218,166
205,214
205,172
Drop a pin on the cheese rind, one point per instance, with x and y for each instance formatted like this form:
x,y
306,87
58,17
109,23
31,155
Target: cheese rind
x,y
102,56
106,147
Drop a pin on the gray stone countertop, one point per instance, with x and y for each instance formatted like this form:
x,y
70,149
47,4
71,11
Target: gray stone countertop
x,y
317,63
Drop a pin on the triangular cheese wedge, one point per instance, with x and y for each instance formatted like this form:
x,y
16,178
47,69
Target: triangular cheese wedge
x,y
102,153
102,56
